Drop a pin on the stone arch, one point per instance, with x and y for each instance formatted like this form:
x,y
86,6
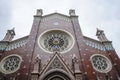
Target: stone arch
x,y
56,75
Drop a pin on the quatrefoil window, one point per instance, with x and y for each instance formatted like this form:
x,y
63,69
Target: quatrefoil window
x,y
10,64
101,63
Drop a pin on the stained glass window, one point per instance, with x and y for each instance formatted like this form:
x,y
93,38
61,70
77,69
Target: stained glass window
x,y
56,40
101,64
10,64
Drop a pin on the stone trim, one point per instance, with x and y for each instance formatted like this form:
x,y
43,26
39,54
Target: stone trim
x,y
57,16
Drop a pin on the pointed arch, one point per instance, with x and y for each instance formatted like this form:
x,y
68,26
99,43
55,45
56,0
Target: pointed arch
x,y
56,74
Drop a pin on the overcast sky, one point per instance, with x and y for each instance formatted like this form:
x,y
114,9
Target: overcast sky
x,y
102,14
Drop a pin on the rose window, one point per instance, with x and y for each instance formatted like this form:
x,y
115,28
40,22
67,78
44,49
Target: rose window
x,y
55,40
101,63
10,64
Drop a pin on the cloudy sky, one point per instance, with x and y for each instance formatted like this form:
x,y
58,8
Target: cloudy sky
x,y
102,14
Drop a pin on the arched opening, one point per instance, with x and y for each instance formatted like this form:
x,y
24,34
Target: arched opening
x,y
56,76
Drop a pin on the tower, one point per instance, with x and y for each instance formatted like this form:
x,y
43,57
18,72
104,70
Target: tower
x,y
56,49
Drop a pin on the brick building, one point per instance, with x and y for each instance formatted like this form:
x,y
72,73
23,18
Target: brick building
x,y
56,49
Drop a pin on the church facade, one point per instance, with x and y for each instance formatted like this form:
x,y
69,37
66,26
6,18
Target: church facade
x,y
56,49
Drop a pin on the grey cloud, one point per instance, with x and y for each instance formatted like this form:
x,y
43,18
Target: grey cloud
x,y
5,15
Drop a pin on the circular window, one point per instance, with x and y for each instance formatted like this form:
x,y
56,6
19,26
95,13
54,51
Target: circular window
x,y
10,64
101,63
55,40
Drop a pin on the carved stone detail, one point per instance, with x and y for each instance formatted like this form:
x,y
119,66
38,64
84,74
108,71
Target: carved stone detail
x,y
7,46
9,35
75,66
56,64
72,12
78,77
98,45
101,35
56,16
36,70
37,64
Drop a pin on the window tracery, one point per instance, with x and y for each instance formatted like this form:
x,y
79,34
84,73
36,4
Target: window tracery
x,y
101,63
10,64
55,40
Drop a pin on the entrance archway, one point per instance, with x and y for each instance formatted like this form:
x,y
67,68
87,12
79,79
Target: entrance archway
x,y
56,76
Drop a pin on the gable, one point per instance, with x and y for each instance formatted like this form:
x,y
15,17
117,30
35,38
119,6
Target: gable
x,y
56,16
56,63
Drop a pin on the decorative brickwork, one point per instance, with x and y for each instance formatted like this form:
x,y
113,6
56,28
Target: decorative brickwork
x,y
57,50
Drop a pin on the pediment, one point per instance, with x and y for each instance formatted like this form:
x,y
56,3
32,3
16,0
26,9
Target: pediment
x,y
59,16
56,63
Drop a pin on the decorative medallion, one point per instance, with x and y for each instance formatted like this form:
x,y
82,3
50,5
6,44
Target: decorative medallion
x,y
55,40
101,63
10,64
